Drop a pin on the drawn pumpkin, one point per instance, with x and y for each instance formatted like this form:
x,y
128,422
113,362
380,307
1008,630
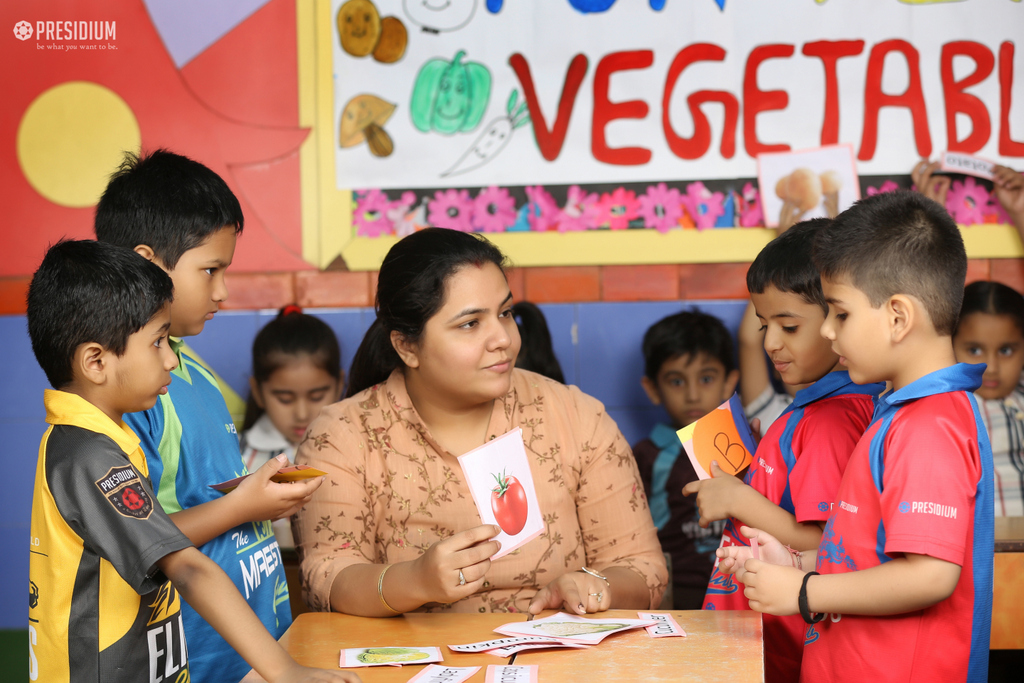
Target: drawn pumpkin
x,y
450,97
363,120
358,27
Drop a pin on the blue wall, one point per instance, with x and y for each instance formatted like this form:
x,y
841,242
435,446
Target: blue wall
x,y
597,344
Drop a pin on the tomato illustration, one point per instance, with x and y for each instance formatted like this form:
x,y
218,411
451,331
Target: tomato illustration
x,y
508,502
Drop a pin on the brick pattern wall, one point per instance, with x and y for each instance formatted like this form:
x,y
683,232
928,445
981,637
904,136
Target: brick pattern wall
x,y
568,284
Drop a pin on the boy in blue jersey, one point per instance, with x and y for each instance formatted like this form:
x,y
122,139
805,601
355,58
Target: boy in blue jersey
x,y
800,461
183,217
905,560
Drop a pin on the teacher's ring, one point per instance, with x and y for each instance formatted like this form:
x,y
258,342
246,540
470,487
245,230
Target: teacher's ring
x,y
599,596
462,578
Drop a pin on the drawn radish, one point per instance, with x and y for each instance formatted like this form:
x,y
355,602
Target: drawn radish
x,y
493,139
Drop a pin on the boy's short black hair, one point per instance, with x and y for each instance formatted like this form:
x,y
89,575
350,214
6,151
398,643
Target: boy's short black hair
x,y
87,291
898,243
166,201
686,333
786,264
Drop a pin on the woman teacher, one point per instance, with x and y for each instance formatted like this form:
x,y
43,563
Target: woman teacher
x,y
395,528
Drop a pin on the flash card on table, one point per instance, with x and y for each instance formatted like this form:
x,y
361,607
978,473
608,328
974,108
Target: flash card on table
x,y
571,628
487,645
389,656
436,673
666,625
506,652
723,435
290,473
958,162
498,474
511,673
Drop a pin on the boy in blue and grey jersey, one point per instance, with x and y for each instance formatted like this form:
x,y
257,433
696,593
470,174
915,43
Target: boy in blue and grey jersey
x,y
183,217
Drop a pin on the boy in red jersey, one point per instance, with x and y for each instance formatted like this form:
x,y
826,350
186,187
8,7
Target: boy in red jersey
x,y
799,463
905,585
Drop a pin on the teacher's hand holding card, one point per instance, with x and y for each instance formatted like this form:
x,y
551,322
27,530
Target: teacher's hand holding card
x,y
453,568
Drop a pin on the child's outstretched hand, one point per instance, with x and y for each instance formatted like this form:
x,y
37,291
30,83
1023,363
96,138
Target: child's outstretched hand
x,y
731,558
931,186
715,496
1009,189
261,499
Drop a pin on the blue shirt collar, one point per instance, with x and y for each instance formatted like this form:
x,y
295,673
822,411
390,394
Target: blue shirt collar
x,y
832,384
959,377
664,436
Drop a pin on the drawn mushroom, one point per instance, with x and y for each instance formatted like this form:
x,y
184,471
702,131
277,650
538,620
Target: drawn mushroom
x,y
362,120
831,182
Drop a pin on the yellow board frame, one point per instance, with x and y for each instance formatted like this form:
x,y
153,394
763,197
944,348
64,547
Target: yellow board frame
x,y
327,211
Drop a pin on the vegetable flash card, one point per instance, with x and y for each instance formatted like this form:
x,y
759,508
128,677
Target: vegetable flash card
x,y
666,626
722,435
389,656
957,162
511,673
571,628
498,474
285,474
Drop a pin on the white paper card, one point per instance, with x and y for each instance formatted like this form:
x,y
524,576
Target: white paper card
x,y
499,477
666,625
511,673
571,628
957,162
389,656
485,645
436,673
512,649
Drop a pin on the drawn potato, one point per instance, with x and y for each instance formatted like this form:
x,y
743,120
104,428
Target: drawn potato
x,y
359,27
393,39
363,120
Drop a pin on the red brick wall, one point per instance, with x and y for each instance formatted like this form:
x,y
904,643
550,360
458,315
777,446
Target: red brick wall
x,y
568,284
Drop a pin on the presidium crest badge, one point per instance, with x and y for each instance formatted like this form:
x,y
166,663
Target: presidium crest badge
x,y
123,487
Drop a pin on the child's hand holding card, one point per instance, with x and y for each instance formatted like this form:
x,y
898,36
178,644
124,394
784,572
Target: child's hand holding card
x,y
499,477
724,436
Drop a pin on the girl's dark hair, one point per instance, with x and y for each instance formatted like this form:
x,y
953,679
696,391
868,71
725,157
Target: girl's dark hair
x,y
411,288
291,333
536,353
993,298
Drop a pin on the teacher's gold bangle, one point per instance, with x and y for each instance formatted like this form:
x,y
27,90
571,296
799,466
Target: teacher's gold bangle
x,y
380,590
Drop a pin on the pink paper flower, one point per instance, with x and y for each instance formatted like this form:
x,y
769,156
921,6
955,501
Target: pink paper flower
x,y
967,202
451,209
748,203
370,215
661,207
494,210
579,213
403,217
887,186
617,209
703,205
543,211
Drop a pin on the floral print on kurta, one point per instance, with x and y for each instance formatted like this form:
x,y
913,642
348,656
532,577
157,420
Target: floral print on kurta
x,y
392,492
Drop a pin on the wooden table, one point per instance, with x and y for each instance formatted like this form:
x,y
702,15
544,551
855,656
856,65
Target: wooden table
x,y
719,646
1008,593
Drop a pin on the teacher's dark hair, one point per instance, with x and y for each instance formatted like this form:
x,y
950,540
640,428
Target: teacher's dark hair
x,y
411,288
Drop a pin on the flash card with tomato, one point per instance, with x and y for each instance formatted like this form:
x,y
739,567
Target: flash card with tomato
x,y
498,474
723,435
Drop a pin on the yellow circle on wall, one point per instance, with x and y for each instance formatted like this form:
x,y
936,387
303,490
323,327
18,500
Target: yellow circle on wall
x,y
71,138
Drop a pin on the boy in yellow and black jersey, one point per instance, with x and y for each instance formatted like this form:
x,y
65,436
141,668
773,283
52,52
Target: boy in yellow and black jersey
x,y
108,567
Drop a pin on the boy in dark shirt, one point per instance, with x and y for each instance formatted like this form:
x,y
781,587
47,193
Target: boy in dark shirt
x,y
688,369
